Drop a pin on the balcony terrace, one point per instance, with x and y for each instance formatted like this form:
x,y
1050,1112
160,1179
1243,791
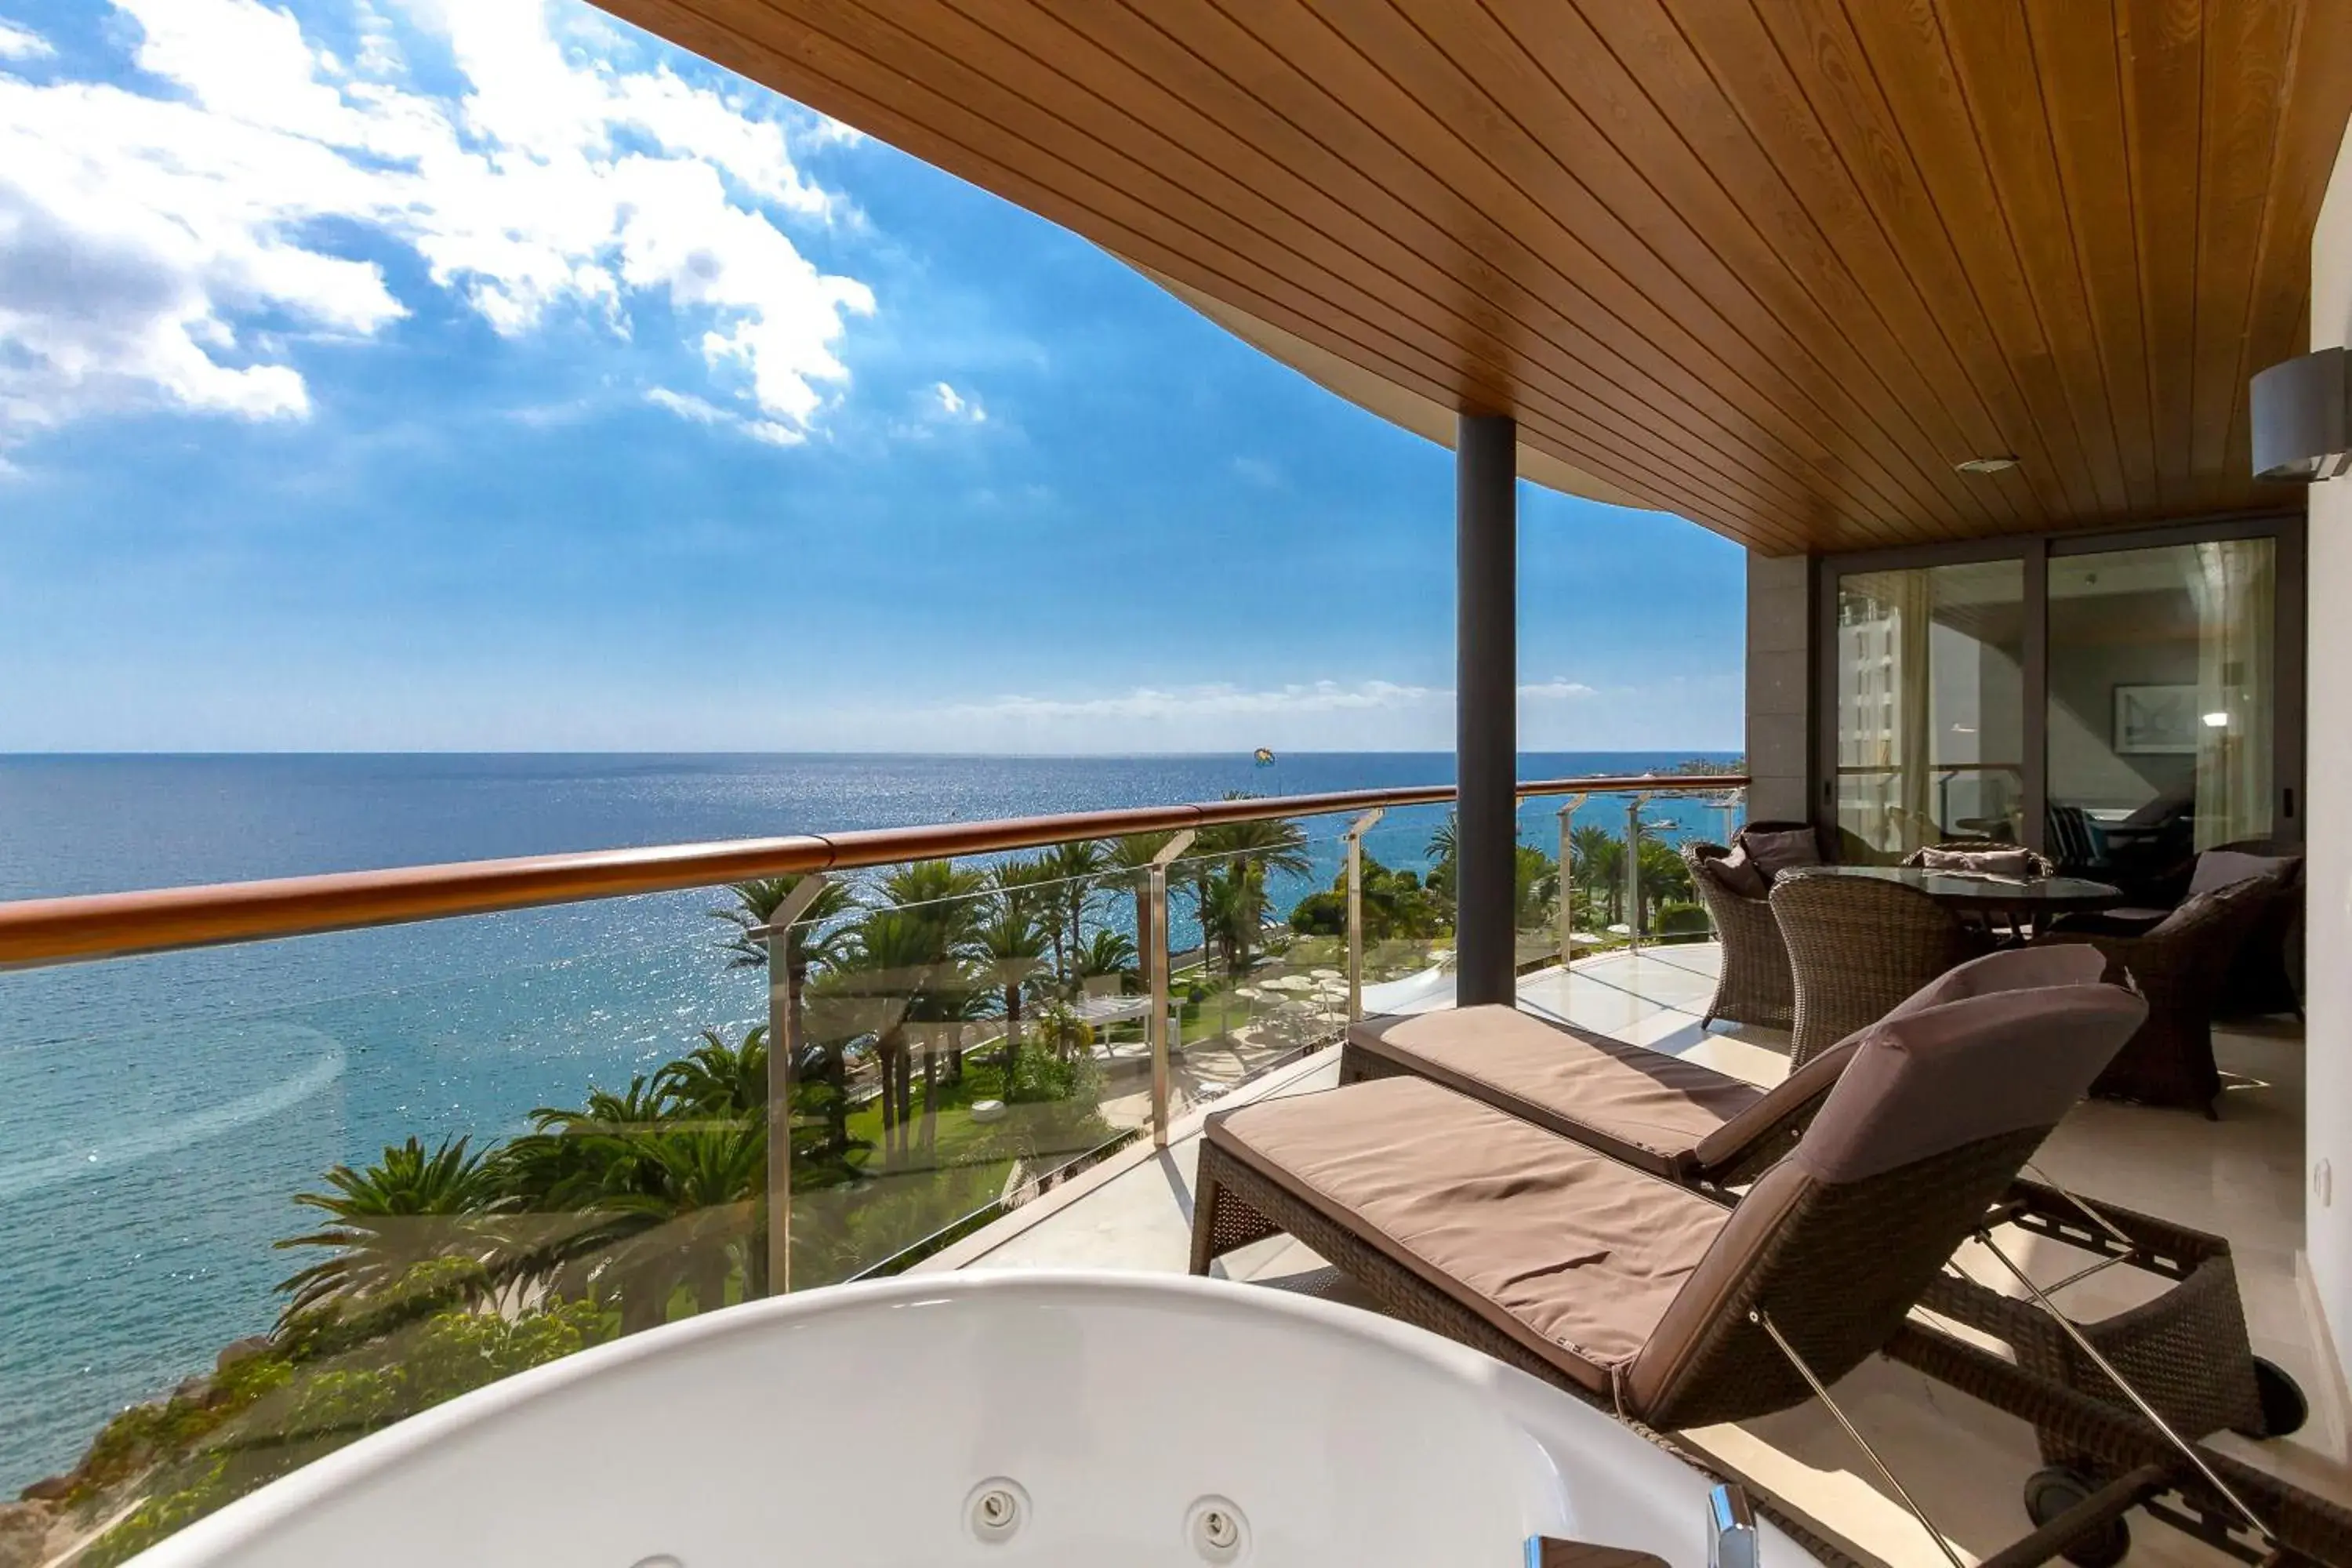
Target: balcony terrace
x,y
1091,1166
2239,1176
1946,313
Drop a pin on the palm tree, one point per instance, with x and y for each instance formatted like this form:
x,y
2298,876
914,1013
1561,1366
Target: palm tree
x,y
410,1208
946,1007
1008,949
895,960
939,890
717,1082
1600,867
1227,904
817,938
1130,859
1662,874
838,1014
1110,954
1444,853
1075,872
1275,843
660,1209
947,900
756,903
1256,851
1535,888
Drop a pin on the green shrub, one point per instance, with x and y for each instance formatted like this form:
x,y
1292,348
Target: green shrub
x,y
1680,919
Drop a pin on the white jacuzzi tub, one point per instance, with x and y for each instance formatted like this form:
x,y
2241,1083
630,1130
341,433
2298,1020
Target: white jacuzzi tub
x,y
1001,1419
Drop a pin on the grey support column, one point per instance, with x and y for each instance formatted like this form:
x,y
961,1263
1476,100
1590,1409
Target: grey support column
x,y
1486,696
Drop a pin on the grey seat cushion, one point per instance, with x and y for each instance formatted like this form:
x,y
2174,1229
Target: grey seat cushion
x,y
1561,1247
1776,854
2218,869
1647,1108
1735,873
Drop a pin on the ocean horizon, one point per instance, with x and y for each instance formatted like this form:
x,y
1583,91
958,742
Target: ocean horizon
x,y
157,1114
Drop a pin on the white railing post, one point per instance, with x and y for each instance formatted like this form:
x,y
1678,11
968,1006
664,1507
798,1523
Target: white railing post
x,y
1634,871
783,1055
1568,881
1156,963
1355,836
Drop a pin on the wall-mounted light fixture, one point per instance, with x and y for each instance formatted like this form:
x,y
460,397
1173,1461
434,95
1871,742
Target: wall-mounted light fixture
x,y
2303,419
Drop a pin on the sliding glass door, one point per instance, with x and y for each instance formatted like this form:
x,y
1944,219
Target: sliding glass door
x,y
1930,732
2162,703
2120,702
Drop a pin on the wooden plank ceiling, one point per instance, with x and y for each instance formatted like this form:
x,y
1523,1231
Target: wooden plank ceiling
x,y
1774,265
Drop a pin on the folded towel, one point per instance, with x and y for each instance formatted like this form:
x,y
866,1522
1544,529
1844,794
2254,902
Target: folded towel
x,y
1984,862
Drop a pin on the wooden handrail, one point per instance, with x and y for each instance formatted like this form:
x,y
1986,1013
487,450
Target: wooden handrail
x,y
35,932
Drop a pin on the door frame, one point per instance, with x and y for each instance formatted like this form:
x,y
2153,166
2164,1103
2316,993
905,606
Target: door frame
x,y
2291,585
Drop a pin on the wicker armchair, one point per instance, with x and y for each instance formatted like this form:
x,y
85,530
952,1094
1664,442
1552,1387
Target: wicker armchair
x,y
2179,966
1857,947
2267,974
1753,986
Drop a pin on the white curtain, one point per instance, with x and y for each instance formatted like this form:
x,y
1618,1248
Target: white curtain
x,y
1914,711
2233,585
1888,728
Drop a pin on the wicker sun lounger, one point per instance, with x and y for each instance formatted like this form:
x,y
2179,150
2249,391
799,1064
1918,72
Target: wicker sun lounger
x,y
2189,1346
1634,1291
1648,1108
1372,1187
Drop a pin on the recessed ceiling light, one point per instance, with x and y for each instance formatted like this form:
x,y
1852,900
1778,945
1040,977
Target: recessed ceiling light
x,y
1985,465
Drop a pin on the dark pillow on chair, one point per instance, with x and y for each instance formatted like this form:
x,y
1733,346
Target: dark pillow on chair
x,y
1774,853
2226,868
1735,873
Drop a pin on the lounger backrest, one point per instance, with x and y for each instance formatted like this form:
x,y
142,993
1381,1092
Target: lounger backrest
x,y
1929,1124
1737,1148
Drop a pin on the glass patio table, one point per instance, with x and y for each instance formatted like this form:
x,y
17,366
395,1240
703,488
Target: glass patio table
x,y
2024,902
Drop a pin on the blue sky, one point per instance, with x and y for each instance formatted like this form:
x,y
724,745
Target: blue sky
x,y
482,374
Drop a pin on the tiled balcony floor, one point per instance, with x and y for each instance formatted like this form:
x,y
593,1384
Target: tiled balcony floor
x,y
1963,1461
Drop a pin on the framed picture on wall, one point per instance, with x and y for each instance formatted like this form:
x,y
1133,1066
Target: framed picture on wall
x,y
2155,721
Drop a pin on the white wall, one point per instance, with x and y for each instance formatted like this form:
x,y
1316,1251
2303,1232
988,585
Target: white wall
x,y
2328,820
1780,635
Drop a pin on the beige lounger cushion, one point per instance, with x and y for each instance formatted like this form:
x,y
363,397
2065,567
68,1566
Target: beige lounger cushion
x,y
1561,1247
1644,1107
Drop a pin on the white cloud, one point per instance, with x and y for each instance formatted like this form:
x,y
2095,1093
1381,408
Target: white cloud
x,y
1300,715
1557,690
1195,702
954,405
685,405
702,411
148,240
22,43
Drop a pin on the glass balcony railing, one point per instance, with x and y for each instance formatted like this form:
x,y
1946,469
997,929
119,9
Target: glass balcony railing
x,y
436,1163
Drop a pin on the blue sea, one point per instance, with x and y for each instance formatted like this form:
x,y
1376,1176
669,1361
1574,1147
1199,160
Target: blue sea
x,y
157,1114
